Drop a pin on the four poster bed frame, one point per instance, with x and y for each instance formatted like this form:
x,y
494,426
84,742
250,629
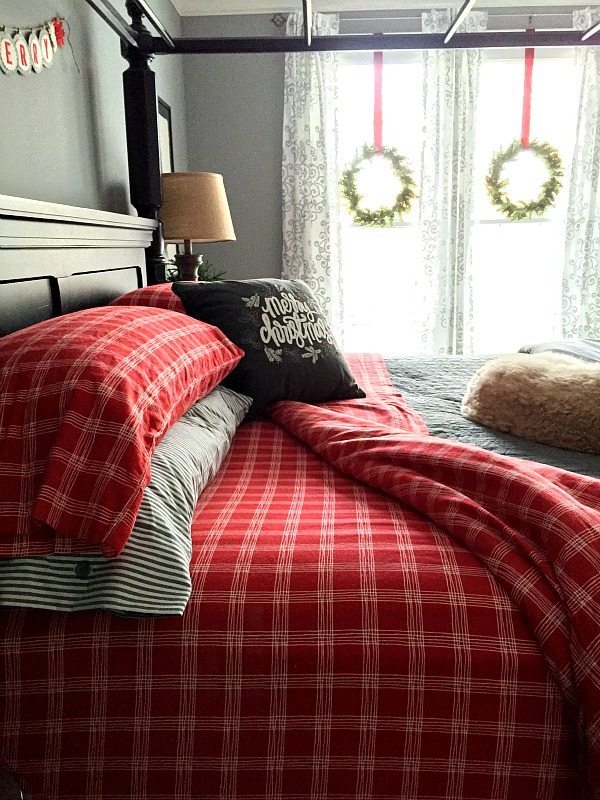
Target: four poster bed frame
x,y
55,259
139,46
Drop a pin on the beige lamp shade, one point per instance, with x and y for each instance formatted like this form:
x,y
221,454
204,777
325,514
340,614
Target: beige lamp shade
x,y
195,208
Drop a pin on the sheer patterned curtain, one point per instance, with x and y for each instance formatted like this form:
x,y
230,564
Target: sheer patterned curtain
x,y
311,196
581,276
450,85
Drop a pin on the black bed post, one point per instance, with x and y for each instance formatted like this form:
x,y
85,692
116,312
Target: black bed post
x,y
139,90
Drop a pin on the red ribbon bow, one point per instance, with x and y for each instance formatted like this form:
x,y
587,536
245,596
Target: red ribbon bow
x,y
378,100
527,86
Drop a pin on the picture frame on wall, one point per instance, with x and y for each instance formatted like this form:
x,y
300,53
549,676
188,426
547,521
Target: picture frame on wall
x,y
165,148
165,137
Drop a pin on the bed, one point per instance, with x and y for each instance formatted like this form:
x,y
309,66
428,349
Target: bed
x,y
375,613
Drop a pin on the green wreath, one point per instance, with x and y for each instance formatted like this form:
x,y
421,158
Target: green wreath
x,y
497,187
383,216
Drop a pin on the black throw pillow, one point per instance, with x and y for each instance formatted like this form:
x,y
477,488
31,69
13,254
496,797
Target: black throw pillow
x,y
290,352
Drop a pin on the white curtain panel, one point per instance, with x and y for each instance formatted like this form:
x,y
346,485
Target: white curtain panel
x,y
310,170
451,86
581,277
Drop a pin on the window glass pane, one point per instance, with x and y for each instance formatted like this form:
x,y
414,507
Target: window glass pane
x,y
516,285
381,289
499,116
381,265
517,266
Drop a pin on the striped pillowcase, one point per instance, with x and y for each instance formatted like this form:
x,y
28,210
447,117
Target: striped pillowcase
x,y
151,575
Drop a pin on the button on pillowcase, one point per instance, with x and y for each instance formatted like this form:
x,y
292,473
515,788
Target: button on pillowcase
x,y
84,400
290,352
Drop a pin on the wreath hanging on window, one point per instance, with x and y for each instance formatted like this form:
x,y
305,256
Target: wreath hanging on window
x,y
384,215
498,187
400,175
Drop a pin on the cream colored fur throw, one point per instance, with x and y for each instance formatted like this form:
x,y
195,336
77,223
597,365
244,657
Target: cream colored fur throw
x,y
547,397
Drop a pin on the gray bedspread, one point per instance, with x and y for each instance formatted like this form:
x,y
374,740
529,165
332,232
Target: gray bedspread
x,y
435,387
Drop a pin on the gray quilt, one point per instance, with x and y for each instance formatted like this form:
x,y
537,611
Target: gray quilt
x,y
435,387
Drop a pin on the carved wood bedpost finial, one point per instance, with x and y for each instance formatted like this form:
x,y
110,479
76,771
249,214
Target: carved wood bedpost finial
x,y
139,89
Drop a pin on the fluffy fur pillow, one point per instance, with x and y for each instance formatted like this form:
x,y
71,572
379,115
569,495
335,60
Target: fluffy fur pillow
x,y
547,397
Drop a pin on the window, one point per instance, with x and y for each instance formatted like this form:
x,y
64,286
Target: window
x,y
516,266
381,265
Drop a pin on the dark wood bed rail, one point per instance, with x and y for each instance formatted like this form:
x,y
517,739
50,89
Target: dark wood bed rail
x,y
357,42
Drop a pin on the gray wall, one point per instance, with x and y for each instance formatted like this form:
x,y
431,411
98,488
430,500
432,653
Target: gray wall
x,y
234,106
62,132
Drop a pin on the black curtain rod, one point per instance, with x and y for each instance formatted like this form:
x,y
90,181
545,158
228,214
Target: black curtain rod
x,y
358,42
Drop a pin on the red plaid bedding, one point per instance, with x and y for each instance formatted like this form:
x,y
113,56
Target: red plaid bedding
x,y
84,400
161,295
431,635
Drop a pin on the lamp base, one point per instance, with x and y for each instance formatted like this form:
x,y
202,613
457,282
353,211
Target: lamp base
x,y
187,266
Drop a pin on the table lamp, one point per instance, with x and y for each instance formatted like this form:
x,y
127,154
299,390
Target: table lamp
x,y
194,209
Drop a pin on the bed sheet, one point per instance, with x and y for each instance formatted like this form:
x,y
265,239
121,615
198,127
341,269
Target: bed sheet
x,y
337,646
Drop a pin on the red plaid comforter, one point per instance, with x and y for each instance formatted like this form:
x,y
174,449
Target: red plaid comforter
x,y
427,631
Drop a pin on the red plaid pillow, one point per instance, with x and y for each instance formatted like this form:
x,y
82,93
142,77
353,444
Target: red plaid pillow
x,y
159,296
84,400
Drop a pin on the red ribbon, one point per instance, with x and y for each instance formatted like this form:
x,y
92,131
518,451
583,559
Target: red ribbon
x,y
526,122
378,100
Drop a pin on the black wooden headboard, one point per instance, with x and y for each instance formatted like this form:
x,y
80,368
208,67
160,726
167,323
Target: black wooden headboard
x,y
55,259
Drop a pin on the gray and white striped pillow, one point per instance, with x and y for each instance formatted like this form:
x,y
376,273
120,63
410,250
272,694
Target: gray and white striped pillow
x,y
151,575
